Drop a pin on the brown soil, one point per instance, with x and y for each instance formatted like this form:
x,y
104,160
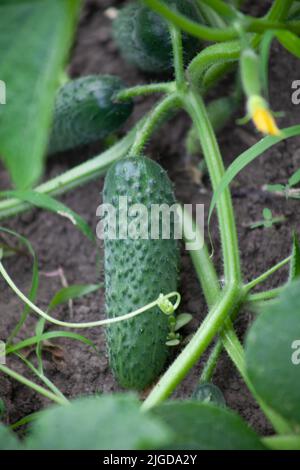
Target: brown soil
x,y
58,244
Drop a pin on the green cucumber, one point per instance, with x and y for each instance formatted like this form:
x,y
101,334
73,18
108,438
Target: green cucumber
x,y
143,36
136,272
85,111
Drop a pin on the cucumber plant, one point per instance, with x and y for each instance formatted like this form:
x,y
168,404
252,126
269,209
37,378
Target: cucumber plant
x,y
141,276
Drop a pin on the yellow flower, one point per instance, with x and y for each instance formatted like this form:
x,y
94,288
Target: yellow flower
x,y
264,122
262,116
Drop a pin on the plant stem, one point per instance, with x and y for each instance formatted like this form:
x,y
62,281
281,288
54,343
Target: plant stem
x,y
92,324
265,295
232,293
208,278
128,93
192,352
192,27
234,349
176,39
222,8
210,16
196,108
267,274
282,442
211,363
212,55
249,24
42,377
37,388
201,260
161,111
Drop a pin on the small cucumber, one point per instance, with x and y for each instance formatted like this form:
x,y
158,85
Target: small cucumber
x,y
136,272
143,36
85,111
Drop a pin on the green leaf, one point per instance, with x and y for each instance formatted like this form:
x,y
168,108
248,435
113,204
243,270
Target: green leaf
x,y
206,427
272,353
35,38
48,336
274,188
44,201
295,178
182,319
112,422
295,261
247,157
72,292
8,441
289,41
267,214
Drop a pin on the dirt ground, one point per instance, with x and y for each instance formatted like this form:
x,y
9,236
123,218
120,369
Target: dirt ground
x,y
58,244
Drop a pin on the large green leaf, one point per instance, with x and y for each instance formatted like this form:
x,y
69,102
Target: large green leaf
x,y
273,354
107,422
8,441
206,427
35,36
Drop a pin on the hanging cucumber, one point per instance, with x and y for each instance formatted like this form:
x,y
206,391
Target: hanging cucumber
x,y
143,36
137,271
86,111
